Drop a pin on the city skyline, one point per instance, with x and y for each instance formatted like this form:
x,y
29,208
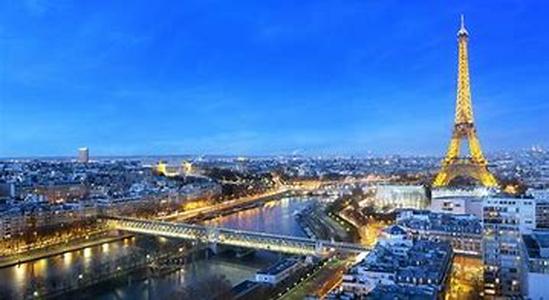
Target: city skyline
x,y
308,79
274,150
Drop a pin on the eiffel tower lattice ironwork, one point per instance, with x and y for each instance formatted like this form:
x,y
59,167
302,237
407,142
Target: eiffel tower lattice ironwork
x,y
475,165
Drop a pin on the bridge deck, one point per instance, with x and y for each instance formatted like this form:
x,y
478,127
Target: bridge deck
x,y
234,237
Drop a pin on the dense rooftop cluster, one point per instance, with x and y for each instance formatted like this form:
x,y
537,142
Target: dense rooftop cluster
x,y
431,221
424,262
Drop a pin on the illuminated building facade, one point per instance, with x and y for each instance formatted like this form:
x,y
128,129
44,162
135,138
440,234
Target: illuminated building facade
x,y
388,197
505,265
163,168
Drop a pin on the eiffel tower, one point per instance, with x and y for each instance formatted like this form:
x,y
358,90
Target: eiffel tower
x,y
454,165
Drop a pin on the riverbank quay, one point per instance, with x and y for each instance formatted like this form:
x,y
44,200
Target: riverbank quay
x,y
32,255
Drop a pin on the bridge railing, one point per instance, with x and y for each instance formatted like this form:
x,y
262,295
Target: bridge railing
x,y
234,237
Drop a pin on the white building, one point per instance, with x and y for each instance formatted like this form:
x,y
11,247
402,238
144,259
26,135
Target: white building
x,y
459,200
505,220
357,285
537,248
400,196
457,205
448,192
277,272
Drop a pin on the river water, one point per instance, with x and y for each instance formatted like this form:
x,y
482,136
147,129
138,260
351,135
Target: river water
x,y
274,217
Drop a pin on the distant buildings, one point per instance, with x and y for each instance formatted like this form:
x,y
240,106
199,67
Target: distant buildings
x,y
7,190
43,196
83,155
62,191
34,215
163,169
40,193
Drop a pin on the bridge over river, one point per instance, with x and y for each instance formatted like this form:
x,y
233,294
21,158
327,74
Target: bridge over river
x,y
234,237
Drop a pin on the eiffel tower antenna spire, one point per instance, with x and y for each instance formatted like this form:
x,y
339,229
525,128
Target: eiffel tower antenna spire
x,y
462,30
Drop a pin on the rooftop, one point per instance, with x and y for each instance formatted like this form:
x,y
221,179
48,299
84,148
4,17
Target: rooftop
x,y
278,267
537,244
426,220
425,261
399,292
395,230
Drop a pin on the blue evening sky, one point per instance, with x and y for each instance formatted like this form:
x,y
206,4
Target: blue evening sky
x,y
266,77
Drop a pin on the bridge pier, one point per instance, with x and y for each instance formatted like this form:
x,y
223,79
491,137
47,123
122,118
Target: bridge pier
x,y
242,252
213,238
214,248
319,248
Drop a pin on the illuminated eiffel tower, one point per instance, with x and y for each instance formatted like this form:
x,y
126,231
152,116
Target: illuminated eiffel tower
x,y
454,165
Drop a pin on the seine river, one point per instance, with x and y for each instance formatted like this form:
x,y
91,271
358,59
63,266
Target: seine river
x,y
273,217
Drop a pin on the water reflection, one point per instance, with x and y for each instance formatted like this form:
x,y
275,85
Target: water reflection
x,y
87,252
273,217
188,275
20,273
67,259
41,267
